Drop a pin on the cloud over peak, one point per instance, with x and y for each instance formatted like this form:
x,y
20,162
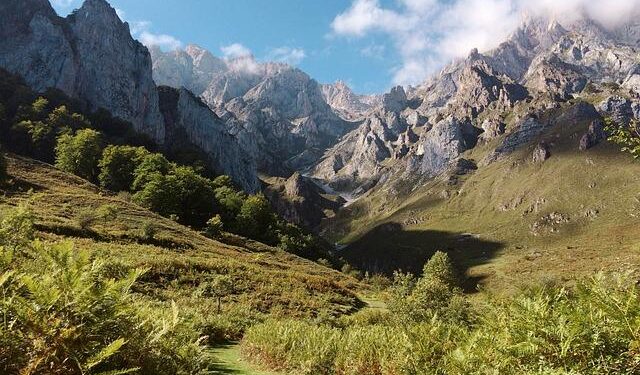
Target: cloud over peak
x,y
429,33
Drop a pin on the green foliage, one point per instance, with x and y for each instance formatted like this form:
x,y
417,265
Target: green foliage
x,y
17,228
182,192
627,136
85,219
79,154
219,287
61,316
214,226
591,329
256,218
149,230
118,166
150,165
107,212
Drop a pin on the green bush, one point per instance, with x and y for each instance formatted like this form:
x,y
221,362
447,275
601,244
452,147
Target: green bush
x,y
118,166
85,219
79,154
61,316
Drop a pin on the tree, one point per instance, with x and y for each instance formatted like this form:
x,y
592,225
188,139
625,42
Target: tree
x,y
182,193
627,136
214,226
220,287
79,154
436,293
256,219
150,165
118,166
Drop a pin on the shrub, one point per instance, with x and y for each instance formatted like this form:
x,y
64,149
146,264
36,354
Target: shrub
x,y
150,165
61,316
17,228
79,154
214,226
85,219
107,212
118,165
149,230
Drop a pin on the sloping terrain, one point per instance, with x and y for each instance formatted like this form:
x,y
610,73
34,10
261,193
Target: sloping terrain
x,y
512,221
178,259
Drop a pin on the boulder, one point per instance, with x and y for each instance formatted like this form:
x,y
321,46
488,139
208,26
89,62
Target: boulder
x,y
541,153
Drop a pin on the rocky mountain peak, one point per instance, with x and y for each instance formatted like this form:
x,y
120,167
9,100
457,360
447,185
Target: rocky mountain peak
x,y
70,54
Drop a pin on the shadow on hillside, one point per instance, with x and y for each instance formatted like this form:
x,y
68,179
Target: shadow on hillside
x,y
390,247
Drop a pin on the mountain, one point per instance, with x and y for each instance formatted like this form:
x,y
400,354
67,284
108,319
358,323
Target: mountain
x,y
277,112
422,133
500,159
89,55
346,103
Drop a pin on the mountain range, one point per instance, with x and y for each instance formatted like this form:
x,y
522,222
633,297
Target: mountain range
x,y
340,163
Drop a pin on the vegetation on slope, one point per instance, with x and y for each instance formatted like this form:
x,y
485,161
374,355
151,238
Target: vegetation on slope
x,y
512,222
182,267
593,328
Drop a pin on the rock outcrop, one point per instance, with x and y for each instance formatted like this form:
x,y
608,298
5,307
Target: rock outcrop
x,y
184,112
90,55
346,103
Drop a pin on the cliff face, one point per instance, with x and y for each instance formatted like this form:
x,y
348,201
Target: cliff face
x,y
277,112
90,55
421,134
184,112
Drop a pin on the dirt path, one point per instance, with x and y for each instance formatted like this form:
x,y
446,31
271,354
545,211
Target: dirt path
x,y
229,361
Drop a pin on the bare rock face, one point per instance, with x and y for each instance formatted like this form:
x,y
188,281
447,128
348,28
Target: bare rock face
x,y
621,110
184,112
346,103
442,145
90,55
277,112
301,201
492,128
193,68
541,153
593,137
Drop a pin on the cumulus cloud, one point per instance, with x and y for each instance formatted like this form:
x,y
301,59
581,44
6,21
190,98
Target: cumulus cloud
x,y
429,33
163,41
240,58
141,30
288,55
235,50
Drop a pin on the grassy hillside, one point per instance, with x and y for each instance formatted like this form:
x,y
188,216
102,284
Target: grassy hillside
x,y
511,222
266,281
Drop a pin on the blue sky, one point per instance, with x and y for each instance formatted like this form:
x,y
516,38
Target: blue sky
x,y
266,28
371,44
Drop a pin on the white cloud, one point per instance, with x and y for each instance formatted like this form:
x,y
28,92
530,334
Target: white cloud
x,y
240,58
375,51
287,55
141,30
163,41
235,50
429,33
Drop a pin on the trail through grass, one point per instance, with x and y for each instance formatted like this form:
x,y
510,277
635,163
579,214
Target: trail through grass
x,y
229,361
